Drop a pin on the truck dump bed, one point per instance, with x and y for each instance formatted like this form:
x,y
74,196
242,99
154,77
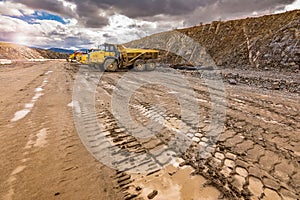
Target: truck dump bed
x,y
130,53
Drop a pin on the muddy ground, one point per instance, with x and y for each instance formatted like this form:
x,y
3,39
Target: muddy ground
x,y
51,147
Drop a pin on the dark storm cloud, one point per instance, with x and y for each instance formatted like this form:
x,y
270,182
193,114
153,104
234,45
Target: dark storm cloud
x,y
47,5
69,41
148,8
231,9
106,35
87,14
91,14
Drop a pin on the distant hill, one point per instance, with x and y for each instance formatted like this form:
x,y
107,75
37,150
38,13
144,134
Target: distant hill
x,y
59,50
18,52
68,51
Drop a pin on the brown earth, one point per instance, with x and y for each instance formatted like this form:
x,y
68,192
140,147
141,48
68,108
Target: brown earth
x,y
256,155
18,52
41,154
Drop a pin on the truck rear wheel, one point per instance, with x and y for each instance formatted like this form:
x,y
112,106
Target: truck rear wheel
x,y
150,65
139,65
110,65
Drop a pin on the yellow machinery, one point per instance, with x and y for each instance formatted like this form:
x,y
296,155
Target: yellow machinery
x,y
84,58
72,57
111,57
78,57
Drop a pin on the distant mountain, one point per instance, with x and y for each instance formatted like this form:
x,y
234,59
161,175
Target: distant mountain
x,y
83,50
68,51
59,50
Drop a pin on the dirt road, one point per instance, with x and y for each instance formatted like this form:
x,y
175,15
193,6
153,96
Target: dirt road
x,y
50,150
41,154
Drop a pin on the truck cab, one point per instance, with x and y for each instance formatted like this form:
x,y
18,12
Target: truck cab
x,y
103,51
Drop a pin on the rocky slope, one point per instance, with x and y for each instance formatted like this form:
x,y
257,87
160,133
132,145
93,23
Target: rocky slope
x,y
265,42
19,52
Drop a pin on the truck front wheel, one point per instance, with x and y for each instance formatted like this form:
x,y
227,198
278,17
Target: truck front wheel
x,y
110,65
150,65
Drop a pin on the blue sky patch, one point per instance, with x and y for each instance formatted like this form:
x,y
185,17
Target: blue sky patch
x,y
40,15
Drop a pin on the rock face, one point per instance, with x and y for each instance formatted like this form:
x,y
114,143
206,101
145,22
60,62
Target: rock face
x,y
18,52
265,42
270,41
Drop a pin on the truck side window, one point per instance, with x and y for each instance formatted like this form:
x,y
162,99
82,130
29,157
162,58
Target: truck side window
x,y
112,49
102,48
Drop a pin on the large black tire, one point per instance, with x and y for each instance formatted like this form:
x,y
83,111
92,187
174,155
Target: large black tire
x,y
139,66
150,65
110,65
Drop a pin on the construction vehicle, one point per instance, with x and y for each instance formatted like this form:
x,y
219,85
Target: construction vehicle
x,y
111,57
83,58
72,57
78,56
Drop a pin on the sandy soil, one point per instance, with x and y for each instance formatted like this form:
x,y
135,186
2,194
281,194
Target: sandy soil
x,y
41,154
256,155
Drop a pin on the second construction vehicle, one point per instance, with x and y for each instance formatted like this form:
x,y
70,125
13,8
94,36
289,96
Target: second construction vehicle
x,y
110,57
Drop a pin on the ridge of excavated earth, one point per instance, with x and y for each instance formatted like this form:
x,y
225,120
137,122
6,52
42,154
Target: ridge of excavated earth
x,y
259,43
19,52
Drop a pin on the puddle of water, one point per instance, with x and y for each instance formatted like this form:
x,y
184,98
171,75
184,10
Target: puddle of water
x,y
202,100
176,183
39,89
20,115
5,61
76,106
30,142
41,138
48,72
29,105
18,170
70,104
37,96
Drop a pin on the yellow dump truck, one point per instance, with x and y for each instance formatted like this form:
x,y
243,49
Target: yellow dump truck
x,y
110,57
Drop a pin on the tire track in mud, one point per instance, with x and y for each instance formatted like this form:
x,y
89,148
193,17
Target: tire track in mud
x,y
287,189
97,141
239,125
110,128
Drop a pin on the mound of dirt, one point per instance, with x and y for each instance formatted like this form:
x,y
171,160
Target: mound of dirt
x,y
51,54
267,42
19,52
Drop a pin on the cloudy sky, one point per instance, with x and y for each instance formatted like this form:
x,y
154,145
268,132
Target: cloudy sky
x,y
87,23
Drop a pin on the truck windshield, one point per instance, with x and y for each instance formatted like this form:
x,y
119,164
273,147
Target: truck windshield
x,y
102,48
